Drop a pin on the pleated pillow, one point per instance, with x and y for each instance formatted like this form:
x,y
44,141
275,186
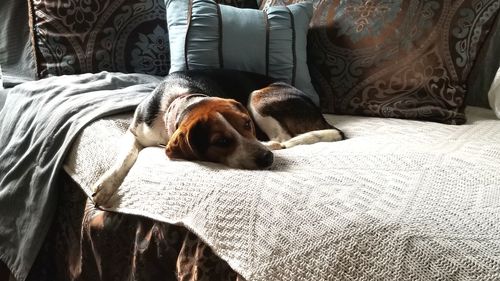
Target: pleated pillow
x,y
273,42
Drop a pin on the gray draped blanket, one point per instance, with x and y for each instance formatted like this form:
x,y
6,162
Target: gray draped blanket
x,y
38,123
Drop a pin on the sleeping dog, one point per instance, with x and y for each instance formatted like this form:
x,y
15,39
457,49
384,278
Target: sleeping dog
x,y
218,116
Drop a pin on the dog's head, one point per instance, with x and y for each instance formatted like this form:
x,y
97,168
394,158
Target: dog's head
x,y
219,130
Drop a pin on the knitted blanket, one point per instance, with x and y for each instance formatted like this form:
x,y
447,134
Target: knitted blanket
x,y
398,200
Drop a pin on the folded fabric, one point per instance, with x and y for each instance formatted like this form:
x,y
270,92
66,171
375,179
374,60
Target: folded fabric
x,y
38,123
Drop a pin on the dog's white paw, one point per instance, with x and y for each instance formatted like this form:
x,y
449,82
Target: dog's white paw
x,y
104,189
273,145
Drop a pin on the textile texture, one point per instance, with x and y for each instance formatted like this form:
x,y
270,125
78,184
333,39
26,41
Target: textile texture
x,y
403,59
273,42
398,200
73,37
88,244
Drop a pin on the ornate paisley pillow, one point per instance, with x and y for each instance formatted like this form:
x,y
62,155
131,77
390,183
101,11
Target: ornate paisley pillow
x,y
403,59
79,36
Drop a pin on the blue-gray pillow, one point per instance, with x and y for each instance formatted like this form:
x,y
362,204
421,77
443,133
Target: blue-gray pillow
x,y
273,42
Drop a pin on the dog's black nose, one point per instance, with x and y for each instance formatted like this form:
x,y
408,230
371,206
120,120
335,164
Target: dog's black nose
x,y
265,159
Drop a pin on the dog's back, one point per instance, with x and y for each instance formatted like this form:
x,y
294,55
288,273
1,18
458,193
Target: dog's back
x,y
223,83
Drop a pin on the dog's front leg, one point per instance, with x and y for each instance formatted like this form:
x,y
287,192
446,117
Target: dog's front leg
x,y
109,182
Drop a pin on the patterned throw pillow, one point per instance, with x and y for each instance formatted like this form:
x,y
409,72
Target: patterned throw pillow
x,y
272,42
79,36
404,59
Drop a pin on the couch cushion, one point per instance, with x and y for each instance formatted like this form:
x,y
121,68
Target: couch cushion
x,y
404,59
273,42
90,36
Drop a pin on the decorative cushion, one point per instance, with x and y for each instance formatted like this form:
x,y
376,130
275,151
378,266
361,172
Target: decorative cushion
x,y
403,59
77,36
272,42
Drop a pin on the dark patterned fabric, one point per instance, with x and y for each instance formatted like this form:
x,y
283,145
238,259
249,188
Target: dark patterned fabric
x,y
86,243
403,59
77,36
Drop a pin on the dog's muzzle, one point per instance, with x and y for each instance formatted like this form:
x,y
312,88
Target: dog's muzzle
x,y
265,159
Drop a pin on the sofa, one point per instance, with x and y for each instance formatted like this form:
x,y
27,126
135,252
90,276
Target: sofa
x,y
412,194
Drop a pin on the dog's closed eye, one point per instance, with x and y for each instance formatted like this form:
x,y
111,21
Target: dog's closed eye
x,y
222,142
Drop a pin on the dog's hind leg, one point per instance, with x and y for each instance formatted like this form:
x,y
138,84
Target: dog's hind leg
x,y
286,116
327,135
279,139
109,182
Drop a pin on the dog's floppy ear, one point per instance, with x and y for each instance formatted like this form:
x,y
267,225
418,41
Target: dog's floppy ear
x,y
190,143
239,106
178,146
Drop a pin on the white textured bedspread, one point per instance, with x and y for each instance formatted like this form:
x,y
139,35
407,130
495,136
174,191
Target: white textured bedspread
x,y
398,200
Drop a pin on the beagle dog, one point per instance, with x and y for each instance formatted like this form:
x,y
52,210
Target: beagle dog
x,y
219,116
